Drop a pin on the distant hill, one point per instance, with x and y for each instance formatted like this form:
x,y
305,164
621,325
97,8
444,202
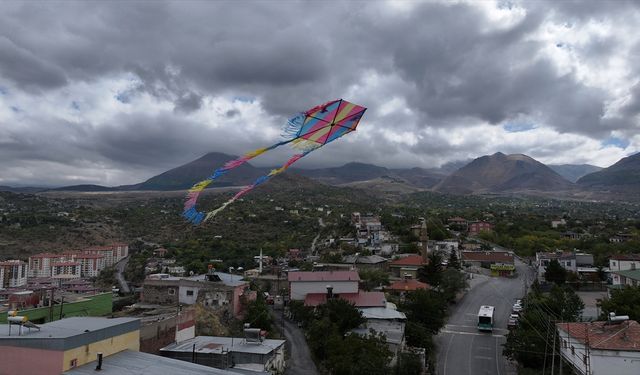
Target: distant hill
x,y
573,172
622,176
27,189
503,173
88,188
184,176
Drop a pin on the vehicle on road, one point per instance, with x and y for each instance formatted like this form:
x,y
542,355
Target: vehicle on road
x,y
516,308
513,321
485,318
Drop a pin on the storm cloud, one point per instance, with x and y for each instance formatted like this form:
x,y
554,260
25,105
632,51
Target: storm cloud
x,y
113,93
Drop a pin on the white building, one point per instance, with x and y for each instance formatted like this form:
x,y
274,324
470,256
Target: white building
x,y
13,274
624,262
112,253
40,264
598,348
66,270
570,261
90,264
303,283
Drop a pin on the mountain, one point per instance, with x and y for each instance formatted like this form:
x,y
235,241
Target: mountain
x,y
184,176
88,188
622,176
350,172
420,177
499,173
573,172
26,189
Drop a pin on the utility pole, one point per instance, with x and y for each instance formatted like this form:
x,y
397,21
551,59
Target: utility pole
x,y
553,351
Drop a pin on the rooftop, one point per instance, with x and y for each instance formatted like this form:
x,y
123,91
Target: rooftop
x,y
630,274
360,299
364,259
216,344
626,257
64,328
411,260
324,276
407,285
604,336
129,362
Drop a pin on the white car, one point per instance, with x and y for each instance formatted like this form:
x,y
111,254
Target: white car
x,y
516,308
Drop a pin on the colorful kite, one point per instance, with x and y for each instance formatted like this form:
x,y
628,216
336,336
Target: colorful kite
x,y
307,132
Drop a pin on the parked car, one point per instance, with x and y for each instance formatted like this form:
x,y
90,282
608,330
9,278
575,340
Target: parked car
x,y
516,308
513,321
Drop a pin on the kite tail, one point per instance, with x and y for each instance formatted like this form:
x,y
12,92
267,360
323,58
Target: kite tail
x,y
190,212
259,181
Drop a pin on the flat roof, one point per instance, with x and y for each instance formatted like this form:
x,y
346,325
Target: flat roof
x,y
128,362
67,333
324,276
215,344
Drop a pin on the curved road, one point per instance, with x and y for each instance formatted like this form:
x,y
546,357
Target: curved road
x,y
300,362
462,349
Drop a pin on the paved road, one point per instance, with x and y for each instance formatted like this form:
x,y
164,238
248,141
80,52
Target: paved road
x,y
120,266
461,348
300,362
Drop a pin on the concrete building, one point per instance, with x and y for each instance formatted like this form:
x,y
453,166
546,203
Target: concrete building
x,y
407,266
252,352
66,270
627,277
385,320
406,285
214,290
601,348
361,299
13,274
90,264
129,362
303,283
112,253
580,263
40,264
55,347
475,227
624,262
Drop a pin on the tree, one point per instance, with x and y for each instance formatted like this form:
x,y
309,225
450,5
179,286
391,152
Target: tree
x,y
425,307
452,281
624,301
342,313
358,355
373,278
431,273
565,304
258,315
408,364
453,261
555,273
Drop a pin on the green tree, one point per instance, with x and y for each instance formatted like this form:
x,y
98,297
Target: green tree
x,y
564,304
373,278
357,355
452,282
408,364
624,301
342,313
431,273
425,307
555,273
453,261
258,315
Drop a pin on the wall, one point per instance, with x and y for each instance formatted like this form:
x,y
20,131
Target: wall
x,y
96,305
299,289
613,362
88,353
20,361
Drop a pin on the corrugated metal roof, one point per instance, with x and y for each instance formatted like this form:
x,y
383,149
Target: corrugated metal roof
x,y
382,313
324,276
235,344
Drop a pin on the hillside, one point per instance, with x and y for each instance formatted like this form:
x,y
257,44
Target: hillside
x,y
573,172
622,176
184,176
503,173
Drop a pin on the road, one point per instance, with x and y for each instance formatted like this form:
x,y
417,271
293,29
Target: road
x,y
300,362
461,348
120,266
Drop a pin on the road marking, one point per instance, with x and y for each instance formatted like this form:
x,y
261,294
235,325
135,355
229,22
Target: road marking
x,y
497,361
468,333
446,355
470,351
484,348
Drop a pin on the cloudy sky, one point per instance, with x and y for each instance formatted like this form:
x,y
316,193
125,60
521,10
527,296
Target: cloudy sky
x,y
115,92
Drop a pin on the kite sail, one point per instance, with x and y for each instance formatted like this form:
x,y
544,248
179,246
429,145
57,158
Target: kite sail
x,y
306,132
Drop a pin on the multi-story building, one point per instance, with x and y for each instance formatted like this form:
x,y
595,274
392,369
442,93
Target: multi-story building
x,y
90,264
580,263
66,270
13,274
40,264
476,227
112,253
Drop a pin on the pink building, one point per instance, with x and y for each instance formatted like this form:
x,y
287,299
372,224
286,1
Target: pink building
x,y
112,253
478,226
66,270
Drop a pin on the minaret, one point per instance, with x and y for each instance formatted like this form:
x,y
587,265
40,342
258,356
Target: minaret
x,y
260,270
424,241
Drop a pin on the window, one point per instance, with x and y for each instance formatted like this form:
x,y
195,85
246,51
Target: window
x,y
573,350
189,292
73,363
613,263
633,265
584,359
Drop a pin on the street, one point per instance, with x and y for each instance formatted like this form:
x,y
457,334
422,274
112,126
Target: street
x,y
462,349
300,361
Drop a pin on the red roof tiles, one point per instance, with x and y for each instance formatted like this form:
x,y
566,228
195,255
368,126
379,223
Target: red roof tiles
x,y
604,336
411,260
407,285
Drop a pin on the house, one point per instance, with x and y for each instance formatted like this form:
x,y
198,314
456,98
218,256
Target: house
x,y
624,262
558,222
388,321
55,347
621,237
366,262
580,263
160,252
406,285
407,265
501,263
475,227
129,362
303,283
602,347
457,221
250,353
13,274
360,299
627,277
214,290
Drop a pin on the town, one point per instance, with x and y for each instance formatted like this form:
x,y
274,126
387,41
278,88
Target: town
x,y
403,292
